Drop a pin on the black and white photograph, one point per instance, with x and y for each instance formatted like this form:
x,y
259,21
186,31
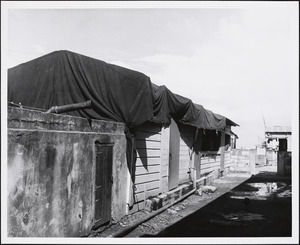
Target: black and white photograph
x,y
165,122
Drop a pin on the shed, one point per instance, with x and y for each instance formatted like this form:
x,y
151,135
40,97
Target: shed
x,y
170,141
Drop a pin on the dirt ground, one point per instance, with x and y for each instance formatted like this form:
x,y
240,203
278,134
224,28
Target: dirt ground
x,y
241,206
174,213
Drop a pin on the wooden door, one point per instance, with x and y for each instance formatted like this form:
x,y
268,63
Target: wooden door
x,y
174,155
103,183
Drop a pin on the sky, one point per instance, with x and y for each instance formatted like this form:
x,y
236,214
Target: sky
x,y
238,61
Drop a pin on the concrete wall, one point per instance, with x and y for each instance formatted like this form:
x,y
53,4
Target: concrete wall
x,y
284,164
271,157
242,160
261,156
290,146
51,173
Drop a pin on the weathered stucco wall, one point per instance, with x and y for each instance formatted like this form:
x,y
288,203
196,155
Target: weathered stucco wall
x,y
51,173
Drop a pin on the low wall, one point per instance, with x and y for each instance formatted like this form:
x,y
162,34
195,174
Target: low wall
x,y
284,164
242,160
51,173
271,157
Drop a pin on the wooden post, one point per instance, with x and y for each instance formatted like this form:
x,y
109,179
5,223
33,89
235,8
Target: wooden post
x,y
197,158
222,162
164,172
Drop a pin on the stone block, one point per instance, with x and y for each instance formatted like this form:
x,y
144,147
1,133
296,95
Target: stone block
x,y
208,189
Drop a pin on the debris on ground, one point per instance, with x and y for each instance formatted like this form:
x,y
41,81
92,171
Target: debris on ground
x,y
208,189
199,192
260,191
285,193
180,207
203,196
171,211
123,224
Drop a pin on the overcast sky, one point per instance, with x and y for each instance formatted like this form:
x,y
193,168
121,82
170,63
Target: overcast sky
x,y
238,62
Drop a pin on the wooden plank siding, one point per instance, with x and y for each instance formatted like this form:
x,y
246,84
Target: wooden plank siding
x,y
184,161
148,165
152,165
227,159
210,163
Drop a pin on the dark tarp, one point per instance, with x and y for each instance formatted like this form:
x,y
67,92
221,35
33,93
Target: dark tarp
x,y
167,104
117,94
62,77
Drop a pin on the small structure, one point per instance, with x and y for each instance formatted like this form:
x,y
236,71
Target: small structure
x,y
279,147
65,175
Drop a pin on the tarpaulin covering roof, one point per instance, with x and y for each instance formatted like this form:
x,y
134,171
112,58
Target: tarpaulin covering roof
x,y
63,77
167,104
117,93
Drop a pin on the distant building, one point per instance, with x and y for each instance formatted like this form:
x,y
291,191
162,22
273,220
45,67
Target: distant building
x,y
279,147
279,138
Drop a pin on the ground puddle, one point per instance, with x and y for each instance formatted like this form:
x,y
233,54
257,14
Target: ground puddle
x,y
261,191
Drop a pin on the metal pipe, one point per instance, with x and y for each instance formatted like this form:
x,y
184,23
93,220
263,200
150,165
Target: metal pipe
x,y
70,107
128,229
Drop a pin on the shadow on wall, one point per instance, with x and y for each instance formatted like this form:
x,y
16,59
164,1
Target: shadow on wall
x,y
147,139
187,134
